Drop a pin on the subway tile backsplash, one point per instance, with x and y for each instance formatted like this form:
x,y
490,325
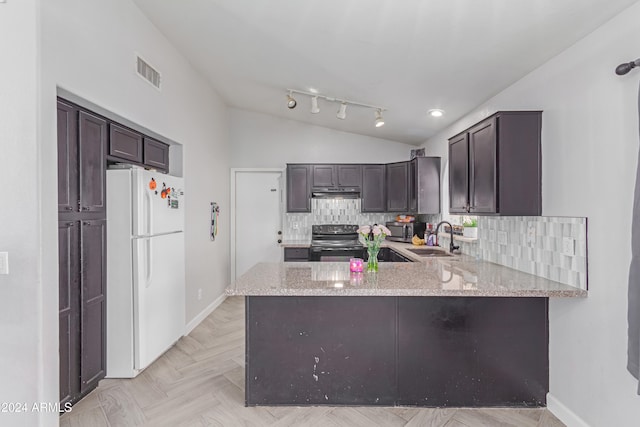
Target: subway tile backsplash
x,y
534,245
502,240
297,226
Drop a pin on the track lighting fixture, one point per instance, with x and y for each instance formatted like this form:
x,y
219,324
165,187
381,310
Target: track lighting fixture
x,y
342,110
379,120
314,105
623,69
291,103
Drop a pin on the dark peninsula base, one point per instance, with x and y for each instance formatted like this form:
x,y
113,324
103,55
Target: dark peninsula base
x,y
419,351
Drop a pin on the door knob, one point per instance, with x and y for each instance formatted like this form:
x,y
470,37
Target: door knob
x,y
279,240
280,233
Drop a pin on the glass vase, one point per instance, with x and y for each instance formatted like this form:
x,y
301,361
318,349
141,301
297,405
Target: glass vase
x,y
372,262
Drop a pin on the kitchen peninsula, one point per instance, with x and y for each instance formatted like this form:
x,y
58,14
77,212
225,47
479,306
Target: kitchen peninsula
x,y
439,332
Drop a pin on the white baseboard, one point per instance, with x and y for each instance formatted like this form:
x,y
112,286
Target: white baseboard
x,y
203,315
563,413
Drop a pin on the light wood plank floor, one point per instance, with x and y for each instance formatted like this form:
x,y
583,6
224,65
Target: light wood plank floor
x,y
200,382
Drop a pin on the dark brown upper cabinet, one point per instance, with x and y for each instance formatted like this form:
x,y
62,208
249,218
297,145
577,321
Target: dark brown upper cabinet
x,y
323,176
459,173
125,143
424,185
67,158
397,187
336,175
349,175
82,139
503,176
156,154
298,188
92,135
374,192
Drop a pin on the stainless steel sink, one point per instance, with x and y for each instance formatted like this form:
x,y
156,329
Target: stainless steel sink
x,y
430,252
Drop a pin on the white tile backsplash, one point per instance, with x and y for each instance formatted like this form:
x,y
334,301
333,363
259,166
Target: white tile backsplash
x,y
297,226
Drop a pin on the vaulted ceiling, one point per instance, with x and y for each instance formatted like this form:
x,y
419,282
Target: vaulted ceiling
x,y
407,56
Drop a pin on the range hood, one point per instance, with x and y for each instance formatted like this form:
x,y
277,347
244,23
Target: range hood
x,y
335,193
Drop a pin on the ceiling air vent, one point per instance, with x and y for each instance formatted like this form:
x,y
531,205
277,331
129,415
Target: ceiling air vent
x,y
148,73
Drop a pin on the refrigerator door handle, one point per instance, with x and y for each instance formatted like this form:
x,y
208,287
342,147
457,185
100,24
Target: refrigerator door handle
x,y
149,211
148,263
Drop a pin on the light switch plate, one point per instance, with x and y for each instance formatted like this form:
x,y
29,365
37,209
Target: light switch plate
x,y
502,237
568,246
4,262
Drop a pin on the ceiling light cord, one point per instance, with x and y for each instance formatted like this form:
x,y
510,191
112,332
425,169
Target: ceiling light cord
x,y
342,109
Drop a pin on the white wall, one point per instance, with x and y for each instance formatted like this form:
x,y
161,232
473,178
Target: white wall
x,y
589,155
88,48
264,141
23,326
99,67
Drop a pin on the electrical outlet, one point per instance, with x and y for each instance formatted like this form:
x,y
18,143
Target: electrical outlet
x,y
502,237
4,262
568,246
531,235
199,294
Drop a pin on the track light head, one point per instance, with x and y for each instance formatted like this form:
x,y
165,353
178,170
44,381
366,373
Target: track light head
x,y
314,105
379,120
291,103
623,69
342,112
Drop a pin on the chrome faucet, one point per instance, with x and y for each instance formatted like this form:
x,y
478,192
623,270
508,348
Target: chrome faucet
x,y
452,247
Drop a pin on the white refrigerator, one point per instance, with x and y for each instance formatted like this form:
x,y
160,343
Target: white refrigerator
x,y
145,268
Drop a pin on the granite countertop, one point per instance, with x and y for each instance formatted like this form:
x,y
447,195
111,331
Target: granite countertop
x,y
459,275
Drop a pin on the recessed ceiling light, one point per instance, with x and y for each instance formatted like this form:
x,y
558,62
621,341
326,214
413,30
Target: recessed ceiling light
x,y
435,112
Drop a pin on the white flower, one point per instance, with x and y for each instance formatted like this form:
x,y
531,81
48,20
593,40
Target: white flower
x,y
385,230
376,230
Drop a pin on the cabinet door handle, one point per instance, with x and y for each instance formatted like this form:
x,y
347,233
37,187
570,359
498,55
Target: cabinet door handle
x,y
70,224
68,208
86,223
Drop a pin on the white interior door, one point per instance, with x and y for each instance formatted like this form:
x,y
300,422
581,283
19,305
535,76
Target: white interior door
x,y
257,219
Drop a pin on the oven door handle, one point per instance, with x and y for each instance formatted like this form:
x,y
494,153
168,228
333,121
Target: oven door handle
x,y
335,249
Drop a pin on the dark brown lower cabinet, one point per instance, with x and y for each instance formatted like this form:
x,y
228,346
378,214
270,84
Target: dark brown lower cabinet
x,y
82,275
93,274
397,351
69,314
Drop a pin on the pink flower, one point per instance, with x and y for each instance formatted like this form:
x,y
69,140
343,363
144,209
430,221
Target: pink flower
x,y
376,230
385,230
364,229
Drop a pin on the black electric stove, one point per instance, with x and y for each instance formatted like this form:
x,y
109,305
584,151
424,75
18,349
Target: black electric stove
x,y
335,242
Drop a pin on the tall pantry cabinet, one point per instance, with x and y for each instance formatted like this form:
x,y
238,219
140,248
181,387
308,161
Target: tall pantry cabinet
x,y
82,145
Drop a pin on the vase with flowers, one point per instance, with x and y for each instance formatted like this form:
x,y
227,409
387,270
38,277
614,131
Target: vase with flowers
x,y
373,237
